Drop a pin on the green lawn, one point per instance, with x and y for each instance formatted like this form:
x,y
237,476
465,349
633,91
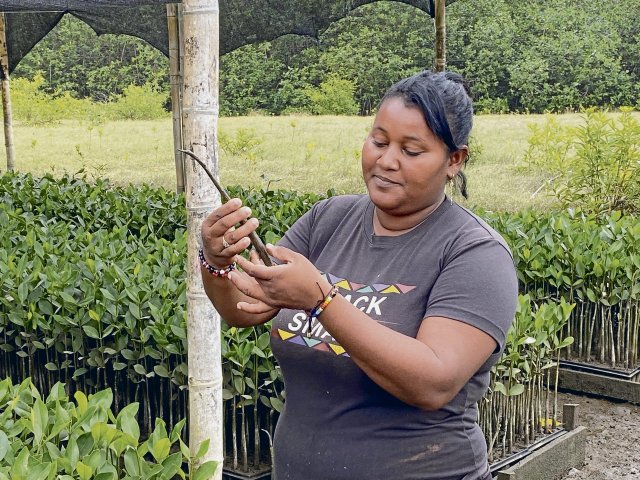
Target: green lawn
x,y
303,153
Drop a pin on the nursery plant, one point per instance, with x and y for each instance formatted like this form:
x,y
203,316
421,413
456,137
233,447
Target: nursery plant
x,y
55,437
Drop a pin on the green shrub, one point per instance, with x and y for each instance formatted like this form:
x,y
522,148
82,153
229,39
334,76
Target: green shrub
x,y
33,106
245,145
53,437
334,96
595,166
139,103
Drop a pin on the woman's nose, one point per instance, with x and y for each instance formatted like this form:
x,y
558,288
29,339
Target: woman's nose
x,y
389,159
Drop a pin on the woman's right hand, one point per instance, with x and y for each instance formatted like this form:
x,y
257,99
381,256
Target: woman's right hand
x,y
221,241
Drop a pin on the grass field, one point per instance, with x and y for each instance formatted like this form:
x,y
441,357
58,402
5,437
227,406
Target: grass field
x,y
302,153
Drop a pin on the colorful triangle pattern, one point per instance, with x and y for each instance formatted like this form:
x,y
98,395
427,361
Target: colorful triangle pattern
x,y
309,342
349,286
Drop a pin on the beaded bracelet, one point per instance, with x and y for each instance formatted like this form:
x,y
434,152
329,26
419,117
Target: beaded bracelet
x,y
318,309
216,272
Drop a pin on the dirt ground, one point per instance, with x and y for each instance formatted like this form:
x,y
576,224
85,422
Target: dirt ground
x,y
613,441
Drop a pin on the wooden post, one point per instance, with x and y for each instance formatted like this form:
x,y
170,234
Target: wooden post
x,y
200,36
175,81
6,96
441,36
570,416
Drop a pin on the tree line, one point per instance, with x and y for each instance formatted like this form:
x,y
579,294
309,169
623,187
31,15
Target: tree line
x,y
556,55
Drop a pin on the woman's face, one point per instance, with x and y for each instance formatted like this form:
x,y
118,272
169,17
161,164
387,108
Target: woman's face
x,y
405,166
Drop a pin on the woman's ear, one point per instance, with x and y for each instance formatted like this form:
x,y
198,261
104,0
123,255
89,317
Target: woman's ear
x,y
457,160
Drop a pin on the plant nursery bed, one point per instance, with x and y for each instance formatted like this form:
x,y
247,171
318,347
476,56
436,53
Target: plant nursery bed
x,y
261,474
548,458
606,382
631,374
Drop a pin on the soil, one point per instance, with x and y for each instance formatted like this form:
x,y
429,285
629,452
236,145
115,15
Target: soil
x,y
613,441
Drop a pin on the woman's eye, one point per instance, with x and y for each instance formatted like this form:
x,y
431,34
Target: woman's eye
x,y
378,143
411,153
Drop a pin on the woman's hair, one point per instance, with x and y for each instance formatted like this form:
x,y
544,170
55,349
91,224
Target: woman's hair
x,y
445,101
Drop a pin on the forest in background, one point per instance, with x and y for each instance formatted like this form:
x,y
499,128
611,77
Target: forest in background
x,y
543,56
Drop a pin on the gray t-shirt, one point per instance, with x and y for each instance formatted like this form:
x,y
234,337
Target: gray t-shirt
x,y
339,424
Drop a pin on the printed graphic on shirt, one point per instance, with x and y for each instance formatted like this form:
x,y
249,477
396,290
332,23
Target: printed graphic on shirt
x,y
368,298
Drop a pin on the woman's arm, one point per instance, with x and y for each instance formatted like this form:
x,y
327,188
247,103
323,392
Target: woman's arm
x,y
224,295
427,371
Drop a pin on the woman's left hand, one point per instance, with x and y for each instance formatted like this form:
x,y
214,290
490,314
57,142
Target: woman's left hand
x,y
295,283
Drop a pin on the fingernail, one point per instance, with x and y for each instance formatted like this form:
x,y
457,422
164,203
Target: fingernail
x,y
235,202
269,245
255,221
246,211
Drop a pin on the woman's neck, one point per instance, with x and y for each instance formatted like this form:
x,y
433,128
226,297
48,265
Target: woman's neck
x,y
387,225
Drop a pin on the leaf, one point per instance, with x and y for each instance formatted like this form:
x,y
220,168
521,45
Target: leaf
x,y
119,365
499,387
161,449
23,292
206,470
129,425
98,431
78,373
131,462
4,445
106,476
171,465
67,298
238,384
39,420
566,342
72,453
85,444
184,449
161,370
91,331
202,450
84,471
277,404
515,390
177,429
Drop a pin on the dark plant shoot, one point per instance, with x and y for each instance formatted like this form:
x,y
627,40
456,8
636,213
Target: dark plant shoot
x,y
253,236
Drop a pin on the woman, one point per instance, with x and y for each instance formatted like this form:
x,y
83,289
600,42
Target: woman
x,y
389,308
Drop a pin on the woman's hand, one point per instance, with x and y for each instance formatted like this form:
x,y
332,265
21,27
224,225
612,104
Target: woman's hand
x,y
221,241
295,283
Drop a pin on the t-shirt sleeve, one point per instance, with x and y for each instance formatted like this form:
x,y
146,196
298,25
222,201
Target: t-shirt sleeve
x,y
477,286
298,237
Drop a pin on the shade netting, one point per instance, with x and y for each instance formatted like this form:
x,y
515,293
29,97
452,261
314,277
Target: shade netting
x,y
241,21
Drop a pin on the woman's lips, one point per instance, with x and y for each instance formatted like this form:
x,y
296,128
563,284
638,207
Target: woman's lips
x,y
384,181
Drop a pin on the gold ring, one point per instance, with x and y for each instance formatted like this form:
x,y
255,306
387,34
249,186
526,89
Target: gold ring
x,y
225,244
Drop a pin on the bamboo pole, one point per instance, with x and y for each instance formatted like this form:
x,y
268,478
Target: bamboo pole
x,y
6,96
441,35
199,122
175,82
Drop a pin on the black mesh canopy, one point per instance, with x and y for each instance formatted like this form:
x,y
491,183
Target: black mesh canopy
x,y
241,21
